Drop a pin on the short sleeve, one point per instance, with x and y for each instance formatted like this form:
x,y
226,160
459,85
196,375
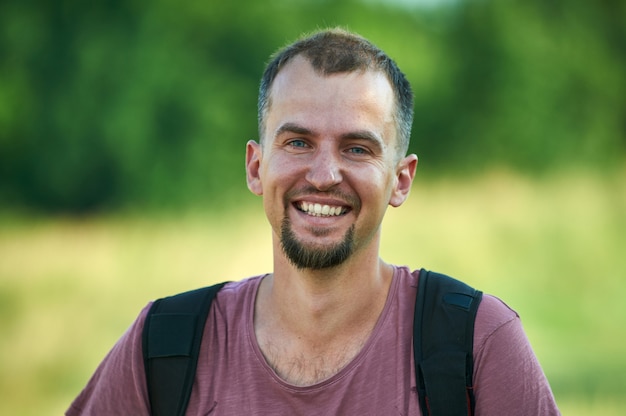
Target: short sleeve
x,y
508,378
118,385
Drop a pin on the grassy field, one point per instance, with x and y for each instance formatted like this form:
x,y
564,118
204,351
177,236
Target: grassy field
x,y
553,249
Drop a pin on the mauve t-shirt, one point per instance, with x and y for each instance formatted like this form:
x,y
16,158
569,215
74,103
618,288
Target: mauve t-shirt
x,y
233,378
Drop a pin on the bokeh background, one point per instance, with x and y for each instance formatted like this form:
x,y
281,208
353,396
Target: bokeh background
x,y
122,133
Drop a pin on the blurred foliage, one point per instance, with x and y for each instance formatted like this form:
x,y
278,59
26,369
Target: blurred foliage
x,y
135,104
553,249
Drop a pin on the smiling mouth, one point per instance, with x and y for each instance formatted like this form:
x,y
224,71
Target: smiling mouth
x,y
319,210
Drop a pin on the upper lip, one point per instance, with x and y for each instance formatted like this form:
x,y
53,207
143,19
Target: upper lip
x,y
333,199
322,201
319,209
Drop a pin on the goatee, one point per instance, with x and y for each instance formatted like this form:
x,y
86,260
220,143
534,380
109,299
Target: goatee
x,y
312,257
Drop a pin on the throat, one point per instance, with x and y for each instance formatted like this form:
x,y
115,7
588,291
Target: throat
x,y
308,334
304,352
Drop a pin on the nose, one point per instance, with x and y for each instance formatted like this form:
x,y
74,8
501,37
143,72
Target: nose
x,y
325,170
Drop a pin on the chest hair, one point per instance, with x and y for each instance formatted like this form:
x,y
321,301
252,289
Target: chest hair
x,y
309,365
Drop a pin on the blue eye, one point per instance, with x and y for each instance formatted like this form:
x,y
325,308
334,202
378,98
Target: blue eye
x,y
297,143
357,150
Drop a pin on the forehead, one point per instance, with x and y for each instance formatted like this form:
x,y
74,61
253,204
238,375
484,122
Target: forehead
x,y
302,95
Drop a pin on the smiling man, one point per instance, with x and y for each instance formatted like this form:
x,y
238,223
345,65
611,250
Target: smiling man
x,y
328,165
330,330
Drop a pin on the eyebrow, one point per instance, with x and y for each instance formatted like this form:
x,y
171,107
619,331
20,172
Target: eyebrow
x,y
293,128
365,135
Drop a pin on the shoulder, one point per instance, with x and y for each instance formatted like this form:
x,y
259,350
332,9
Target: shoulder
x,y
240,287
118,384
234,293
407,278
508,378
493,314
227,293
233,305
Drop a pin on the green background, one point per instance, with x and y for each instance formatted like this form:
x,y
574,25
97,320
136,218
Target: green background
x,y
108,105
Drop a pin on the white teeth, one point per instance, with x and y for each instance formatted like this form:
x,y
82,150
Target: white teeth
x,y
320,210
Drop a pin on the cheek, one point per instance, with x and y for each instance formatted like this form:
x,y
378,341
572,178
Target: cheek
x,y
281,171
377,191
277,179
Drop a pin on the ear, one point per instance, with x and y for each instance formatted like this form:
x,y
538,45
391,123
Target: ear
x,y
405,173
253,165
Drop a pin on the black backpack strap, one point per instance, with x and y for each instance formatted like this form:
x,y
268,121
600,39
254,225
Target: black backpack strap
x,y
443,337
172,335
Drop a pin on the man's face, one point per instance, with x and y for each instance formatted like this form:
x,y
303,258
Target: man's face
x,y
327,167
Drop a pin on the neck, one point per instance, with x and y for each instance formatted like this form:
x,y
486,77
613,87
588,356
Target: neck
x,y
311,324
320,303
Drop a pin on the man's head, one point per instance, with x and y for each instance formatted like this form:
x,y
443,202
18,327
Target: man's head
x,y
335,116
337,51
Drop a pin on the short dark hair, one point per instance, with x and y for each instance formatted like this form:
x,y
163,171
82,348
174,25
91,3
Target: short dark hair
x,y
335,51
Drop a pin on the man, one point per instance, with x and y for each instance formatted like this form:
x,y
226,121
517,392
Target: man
x,y
329,331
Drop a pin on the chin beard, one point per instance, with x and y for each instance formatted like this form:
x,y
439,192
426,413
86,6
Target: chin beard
x,y
312,257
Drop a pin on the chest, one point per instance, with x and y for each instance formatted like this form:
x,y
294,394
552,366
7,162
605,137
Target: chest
x,y
375,376
303,364
244,382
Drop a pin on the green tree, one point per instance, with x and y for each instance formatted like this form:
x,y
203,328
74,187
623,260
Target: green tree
x,y
114,104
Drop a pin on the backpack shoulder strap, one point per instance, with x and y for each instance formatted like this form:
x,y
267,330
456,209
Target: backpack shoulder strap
x,y
443,336
171,340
